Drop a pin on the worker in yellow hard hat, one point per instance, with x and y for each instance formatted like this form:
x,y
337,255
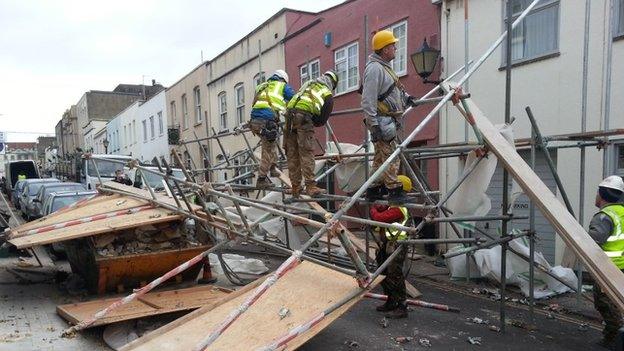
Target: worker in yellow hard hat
x,y
394,283
384,100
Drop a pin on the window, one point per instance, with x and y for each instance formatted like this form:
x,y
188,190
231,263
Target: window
x,y
399,64
184,112
346,60
222,110
197,103
173,113
161,129
538,34
144,131
310,70
259,78
151,120
125,141
134,138
619,18
240,103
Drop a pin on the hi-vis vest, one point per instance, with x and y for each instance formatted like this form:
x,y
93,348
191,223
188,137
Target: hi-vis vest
x,y
310,98
396,234
270,94
614,246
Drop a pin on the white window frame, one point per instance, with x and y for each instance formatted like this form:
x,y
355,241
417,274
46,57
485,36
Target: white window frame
x,y
239,94
309,67
125,142
144,131
185,120
618,23
401,51
134,138
343,82
174,113
197,103
542,6
161,128
152,129
222,103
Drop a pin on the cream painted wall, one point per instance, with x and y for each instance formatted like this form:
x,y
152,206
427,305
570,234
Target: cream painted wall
x,y
552,87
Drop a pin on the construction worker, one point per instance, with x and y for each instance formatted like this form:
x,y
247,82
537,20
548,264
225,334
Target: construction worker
x,y
269,102
309,108
606,228
384,100
21,176
394,283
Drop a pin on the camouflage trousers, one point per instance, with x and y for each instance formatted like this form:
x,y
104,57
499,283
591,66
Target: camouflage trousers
x,y
394,284
609,312
269,148
299,143
383,150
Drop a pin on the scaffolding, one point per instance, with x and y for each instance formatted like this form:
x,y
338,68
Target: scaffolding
x,y
328,221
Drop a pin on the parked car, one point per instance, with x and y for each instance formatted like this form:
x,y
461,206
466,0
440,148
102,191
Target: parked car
x,y
33,207
57,200
155,181
14,195
15,169
30,189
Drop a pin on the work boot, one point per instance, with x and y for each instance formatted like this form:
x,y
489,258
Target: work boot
x,y
275,172
398,313
397,196
263,182
375,193
386,307
295,191
312,190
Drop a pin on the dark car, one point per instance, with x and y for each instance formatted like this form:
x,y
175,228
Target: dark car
x,y
33,208
16,191
30,189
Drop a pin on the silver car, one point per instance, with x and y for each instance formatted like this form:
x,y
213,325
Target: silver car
x,y
30,189
57,200
33,208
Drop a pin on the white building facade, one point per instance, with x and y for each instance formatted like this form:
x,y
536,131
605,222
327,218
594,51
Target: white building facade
x,y
568,88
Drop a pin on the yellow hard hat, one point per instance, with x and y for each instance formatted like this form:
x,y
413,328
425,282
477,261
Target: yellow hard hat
x,y
407,183
383,38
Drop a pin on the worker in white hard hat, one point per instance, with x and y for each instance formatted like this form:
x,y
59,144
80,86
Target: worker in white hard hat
x,y
606,228
269,103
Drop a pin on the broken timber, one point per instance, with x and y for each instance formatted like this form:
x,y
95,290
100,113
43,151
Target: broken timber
x,y
599,265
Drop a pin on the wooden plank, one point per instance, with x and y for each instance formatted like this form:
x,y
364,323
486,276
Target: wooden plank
x,y
599,265
145,194
152,216
154,303
359,244
305,291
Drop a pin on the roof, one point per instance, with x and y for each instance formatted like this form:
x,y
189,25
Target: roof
x,y
21,146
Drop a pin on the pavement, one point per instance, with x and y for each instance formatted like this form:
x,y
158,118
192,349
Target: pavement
x,y
28,319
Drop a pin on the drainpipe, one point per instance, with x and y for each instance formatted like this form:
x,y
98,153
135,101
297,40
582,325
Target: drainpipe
x,y
606,164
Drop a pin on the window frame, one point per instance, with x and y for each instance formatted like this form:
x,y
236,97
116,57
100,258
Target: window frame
x,y
197,104
239,91
391,28
185,121
618,20
222,104
144,131
308,68
151,128
345,80
259,78
543,55
161,128
174,113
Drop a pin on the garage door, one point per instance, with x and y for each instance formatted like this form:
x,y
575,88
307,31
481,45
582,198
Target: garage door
x,y
545,242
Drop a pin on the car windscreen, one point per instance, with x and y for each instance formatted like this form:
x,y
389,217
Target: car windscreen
x,y
106,168
33,188
155,181
62,201
57,188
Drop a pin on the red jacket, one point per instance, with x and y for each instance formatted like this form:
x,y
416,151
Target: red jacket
x,y
383,213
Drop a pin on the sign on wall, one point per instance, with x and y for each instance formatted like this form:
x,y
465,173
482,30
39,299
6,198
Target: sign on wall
x,y
2,143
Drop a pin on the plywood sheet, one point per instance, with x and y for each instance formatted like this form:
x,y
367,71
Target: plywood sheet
x,y
151,304
306,290
152,216
600,266
145,194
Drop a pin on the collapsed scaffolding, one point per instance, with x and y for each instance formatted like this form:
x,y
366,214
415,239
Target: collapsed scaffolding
x,y
216,218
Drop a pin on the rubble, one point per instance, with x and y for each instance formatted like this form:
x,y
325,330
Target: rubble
x,y
474,340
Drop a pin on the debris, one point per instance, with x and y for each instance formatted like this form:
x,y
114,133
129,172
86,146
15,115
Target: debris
x,y
583,327
474,340
384,322
121,202
555,307
494,328
403,339
550,315
283,313
424,342
520,324
352,343
477,320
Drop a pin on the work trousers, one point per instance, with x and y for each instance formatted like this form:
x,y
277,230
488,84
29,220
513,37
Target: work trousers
x,y
383,149
299,140
609,312
394,284
269,148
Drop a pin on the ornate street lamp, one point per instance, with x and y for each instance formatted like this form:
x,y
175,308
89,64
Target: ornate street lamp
x,y
425,60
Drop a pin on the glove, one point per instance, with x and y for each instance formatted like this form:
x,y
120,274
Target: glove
x,y
412,101
375,133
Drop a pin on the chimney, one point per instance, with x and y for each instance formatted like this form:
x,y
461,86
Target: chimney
x,y
153,82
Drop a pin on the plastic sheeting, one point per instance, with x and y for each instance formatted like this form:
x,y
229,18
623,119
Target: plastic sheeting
x,y
238,263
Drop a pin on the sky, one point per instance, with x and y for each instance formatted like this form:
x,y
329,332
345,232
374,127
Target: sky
x,y
52,52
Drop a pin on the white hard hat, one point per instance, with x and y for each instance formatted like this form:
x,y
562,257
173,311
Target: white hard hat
x,y
613,182
282,74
